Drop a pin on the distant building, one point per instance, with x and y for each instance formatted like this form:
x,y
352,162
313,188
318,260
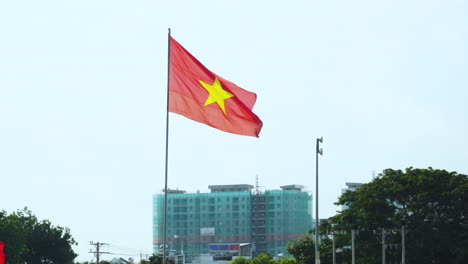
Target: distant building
x,y
232,214
119,261
352,186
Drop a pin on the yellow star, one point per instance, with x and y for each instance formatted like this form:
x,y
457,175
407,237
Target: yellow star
x,y
216,94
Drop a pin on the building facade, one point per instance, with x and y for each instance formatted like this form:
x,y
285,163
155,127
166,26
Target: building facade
x,y
351,186
232,214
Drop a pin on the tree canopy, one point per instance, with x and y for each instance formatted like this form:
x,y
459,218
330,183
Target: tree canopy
x,y
28,240
430,204
263,259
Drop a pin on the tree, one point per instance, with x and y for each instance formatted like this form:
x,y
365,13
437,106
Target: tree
x,y
303,249
155,259
31,241
430,204
240,260
14,237
264,258
287,261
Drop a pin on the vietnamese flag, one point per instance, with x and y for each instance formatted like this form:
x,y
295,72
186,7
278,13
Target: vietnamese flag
x,y
199,94
2,255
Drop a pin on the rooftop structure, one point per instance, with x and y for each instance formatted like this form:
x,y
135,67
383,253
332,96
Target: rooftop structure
x,y
175,191
293,187
352,186
231,188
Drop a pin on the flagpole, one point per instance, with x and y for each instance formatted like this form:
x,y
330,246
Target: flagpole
x,y
167,143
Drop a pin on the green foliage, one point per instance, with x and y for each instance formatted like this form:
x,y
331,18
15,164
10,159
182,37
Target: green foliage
x,y
30,241
264,258
430,204
240,260
14,237
303,249
155,259
287,261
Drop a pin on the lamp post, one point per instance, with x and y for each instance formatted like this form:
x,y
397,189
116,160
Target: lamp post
x,y
176,241
317,249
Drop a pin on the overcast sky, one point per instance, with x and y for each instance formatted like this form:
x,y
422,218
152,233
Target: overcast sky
x,y
83,101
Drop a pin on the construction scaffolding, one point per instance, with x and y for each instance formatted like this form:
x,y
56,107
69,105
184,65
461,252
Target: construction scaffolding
x,y
232,214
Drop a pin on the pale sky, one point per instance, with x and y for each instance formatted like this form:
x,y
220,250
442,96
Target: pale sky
x,y
83,101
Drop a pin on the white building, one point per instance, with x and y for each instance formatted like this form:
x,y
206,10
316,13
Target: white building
x,y
352,186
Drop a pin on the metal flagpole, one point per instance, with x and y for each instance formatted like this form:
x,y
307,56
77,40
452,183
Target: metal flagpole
x,y
167,143
317,249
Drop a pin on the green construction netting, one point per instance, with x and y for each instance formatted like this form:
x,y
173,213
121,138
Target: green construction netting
x,y
196,220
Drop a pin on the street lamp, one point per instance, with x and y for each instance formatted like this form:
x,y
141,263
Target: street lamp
x,y
177,240
317,249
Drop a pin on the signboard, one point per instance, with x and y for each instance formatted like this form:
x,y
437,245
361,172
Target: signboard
x,y
207,231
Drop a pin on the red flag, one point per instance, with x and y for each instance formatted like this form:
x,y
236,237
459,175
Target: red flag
x,y
199,94
2,255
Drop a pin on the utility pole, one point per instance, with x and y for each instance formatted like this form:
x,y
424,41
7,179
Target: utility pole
x,y
333,247
353,256
383,246
97,252
402,245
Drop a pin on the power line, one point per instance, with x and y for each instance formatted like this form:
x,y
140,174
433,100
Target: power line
x,y
122,248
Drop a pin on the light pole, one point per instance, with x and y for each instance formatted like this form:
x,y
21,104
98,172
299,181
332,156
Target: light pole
x,y
176,241
317,249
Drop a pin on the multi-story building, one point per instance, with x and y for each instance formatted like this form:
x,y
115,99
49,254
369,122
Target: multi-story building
x,y
232,214
352,186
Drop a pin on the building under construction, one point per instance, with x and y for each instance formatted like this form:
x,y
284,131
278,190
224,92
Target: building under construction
x,y
232,214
